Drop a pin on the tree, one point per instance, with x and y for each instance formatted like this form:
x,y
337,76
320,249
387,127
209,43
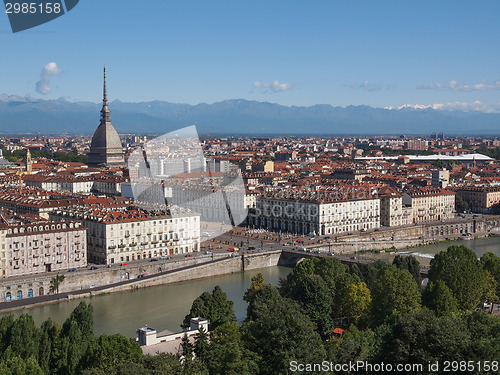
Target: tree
x,y
316,299
107,352
55,282
24,337
20,366
161,364
76,335
227,353
369,272
357,301
396,293
460,270
187,348
354,345
491,263
421,337
280,332
201,344
257,283
45,345
439,298
409,263
215,307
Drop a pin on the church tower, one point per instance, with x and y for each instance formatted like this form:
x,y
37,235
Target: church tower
x,y
29,162
106,147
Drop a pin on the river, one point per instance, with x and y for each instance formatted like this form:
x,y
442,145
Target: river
x,y
161,307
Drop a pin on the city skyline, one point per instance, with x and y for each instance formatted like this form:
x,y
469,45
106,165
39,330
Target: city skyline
x,y
300,53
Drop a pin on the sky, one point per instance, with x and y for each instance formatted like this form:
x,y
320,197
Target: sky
x,y
379,53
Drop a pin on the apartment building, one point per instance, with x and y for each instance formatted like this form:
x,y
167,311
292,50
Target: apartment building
x,y
315,214
392,211
430,204
115,236
481,199
43,246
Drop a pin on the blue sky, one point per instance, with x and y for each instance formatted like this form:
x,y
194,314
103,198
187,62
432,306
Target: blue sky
x,y
377,53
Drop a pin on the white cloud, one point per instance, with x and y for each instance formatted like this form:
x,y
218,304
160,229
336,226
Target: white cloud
x,y
455,85
274,86
48,71
454,106
367,86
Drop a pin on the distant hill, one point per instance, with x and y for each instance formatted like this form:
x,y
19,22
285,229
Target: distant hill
x,y
236,116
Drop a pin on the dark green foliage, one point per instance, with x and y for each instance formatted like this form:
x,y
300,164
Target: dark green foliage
x,y
409,263
215,307
279,332
317,301
60,156
77,334
460,270
354,345
368,272
187,348
439,298
108,351
20,366
395,294
201,344
25,337
227,354
419,337
162,364
55,283
491,263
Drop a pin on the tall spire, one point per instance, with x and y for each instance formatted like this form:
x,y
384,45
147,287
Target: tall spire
x,y
105,91
105,112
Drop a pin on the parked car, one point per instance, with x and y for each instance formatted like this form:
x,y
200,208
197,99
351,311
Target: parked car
x,y
302,249
72,269
93,268
327,237
154,260
208,252
123,264
251,248
189,255
163,257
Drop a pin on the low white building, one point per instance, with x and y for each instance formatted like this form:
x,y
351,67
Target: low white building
x,y
147,336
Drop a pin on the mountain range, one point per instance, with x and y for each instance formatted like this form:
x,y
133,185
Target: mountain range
x,y
26,115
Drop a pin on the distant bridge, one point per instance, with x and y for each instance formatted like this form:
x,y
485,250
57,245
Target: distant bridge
x,y
293,256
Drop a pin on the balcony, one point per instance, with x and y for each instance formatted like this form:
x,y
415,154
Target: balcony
x,y
112,247
121,246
